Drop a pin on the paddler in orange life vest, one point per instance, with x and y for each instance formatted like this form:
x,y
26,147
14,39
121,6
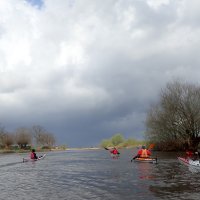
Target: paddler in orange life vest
x,y
33,154
143,153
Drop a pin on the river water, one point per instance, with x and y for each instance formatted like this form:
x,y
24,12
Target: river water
x,y
94,174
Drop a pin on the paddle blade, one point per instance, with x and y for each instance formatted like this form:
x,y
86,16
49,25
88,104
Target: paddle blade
x,y
151,146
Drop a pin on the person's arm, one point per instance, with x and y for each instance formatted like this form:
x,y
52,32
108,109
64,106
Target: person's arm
x,y
139,152
35,156
148,152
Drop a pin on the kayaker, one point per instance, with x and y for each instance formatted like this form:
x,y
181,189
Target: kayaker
x,y
143,153
114,151
33,154
196,156
189,154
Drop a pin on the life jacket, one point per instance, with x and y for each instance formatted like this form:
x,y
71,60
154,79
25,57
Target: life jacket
x,y
114,151
189,154
32,155
144,154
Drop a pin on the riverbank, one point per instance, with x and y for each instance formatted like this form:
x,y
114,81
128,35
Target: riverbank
x,y
84,148
4,151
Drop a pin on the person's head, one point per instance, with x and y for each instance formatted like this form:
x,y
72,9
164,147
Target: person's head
x,y
143,147
33,150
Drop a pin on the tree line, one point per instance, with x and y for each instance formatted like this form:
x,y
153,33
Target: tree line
x,y
26,137
173,123
118,140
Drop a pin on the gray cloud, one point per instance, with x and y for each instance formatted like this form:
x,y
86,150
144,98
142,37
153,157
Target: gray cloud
x,y
86,70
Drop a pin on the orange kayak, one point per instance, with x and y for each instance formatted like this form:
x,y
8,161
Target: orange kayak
x,y
149,160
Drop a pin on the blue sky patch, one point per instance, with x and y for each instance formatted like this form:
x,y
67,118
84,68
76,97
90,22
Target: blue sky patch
x,y
38,3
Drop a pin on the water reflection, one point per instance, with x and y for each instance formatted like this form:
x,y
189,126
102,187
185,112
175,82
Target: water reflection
x,y
194,169
174,181
144,170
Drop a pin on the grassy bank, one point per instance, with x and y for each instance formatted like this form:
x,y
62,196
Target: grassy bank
x,y
21,151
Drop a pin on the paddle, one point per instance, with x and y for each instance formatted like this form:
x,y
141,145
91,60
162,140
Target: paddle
x,y
134,156
151,146
132,159
118,153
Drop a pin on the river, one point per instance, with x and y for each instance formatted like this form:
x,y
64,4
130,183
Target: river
x,y
93,174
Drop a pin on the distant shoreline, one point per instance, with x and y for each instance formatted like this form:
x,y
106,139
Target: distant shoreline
x,y
7,151
84,148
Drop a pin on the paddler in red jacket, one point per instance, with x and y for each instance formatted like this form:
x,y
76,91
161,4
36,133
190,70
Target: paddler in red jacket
x,y
194,155
33,154
143,153
114,151
189,153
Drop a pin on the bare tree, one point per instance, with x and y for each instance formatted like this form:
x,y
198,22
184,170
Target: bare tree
x,y
48,139
38,132
42,137
23,137
2,134
8,140
175,119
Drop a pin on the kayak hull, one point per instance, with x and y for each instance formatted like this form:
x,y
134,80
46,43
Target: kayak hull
x,y
114,156
189,162
146,160
33,160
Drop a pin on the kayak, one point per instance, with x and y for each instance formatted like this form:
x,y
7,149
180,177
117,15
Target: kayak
x,y
33,160
148,160
190,162
114,156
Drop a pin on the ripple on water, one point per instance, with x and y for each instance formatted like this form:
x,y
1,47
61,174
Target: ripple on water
x,y
95,175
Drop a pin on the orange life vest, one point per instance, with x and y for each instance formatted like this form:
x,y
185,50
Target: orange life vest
x,y
144,154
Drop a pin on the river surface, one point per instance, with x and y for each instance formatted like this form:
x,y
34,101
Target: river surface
x,y
94,174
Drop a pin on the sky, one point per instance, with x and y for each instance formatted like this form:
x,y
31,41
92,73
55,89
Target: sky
x,y
88,69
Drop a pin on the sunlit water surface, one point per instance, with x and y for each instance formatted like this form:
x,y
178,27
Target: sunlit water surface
x,y
93,174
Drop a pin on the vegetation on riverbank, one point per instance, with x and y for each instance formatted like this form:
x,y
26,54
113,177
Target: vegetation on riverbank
x,y
118,140
173,123
23,139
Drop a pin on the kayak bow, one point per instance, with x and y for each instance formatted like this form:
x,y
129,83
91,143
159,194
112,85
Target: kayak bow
x,y
188,161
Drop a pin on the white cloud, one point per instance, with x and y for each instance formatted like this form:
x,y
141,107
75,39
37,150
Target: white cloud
x,y
16,51
156,4
71,54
